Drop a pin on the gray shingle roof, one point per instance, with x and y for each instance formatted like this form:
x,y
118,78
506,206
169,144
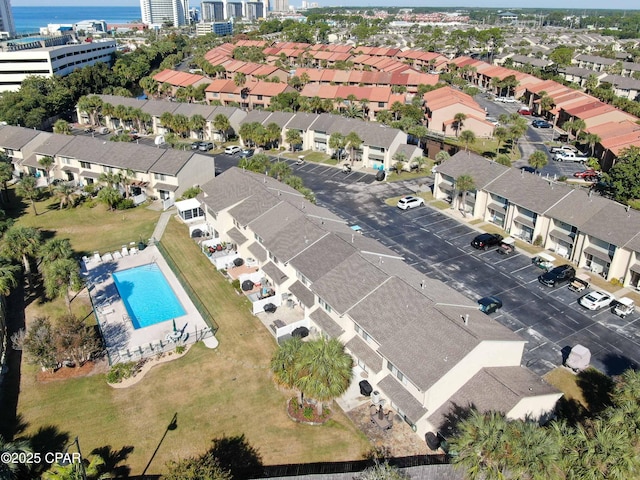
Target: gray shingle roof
x,y
48,143
492,389
613,224
482,171
528,190
236,235
577,208
156,108
125,101
322,256
191,109
258,251
172,161
411,407
364,352
274,273
280,118
302,121
256,116
16,138
255,205
326,323
303,294
355,272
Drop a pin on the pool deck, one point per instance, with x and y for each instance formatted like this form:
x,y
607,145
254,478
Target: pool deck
x,y
123,342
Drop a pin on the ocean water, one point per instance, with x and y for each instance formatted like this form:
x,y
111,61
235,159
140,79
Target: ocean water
x,y
30,19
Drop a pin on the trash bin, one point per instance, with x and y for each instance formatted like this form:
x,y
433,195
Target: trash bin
x,y
141,246
365,388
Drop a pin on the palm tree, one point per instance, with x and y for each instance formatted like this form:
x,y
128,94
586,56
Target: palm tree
x,y
6,174
239,79
400,158
110,178
458,121
279,170
592,139
325,370
538,159
502,135
293,137
8,276
47,162
274,134
55,249
467,137
285,365
67,195
464,184
442,156
479,444
62,127
109,196
353,141
197,123
91,105
222,125
166,119
27,188
181,124
13,470
247,133
337,142
60,275
126,176
22,243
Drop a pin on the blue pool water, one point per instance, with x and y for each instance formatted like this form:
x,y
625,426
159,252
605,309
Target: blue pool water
x,y
147,295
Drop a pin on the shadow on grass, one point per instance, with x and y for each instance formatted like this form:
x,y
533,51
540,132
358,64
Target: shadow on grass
x,y
113,460
596,388
238,456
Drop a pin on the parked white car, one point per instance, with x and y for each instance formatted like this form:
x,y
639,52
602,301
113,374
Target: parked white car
x,y
569,157
564,148
596,300
232,150
408,202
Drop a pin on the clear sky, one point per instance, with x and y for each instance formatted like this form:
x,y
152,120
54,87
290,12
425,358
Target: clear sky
x,y
507,4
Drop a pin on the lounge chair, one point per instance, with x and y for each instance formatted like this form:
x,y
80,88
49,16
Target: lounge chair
x,y
125,251
96,257
116,255
133,251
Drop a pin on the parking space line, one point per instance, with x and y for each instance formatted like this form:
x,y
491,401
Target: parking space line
x,y
463,235
521,268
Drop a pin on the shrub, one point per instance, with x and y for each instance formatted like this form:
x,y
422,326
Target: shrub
x,y
617,282
236,284
308,412
180,349
538,241
90,188
124,204
562,178
121,371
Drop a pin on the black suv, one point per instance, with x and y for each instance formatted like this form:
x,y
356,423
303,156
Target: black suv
x,y
486,240
557,276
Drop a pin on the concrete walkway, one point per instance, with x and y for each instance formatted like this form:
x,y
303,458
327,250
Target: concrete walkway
x,y
162,223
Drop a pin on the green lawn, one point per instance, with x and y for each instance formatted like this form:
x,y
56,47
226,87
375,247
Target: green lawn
x,y
223,392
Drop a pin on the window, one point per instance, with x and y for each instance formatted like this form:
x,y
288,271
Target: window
x,y
304,280
362,332
86,165
259,97
159,176
9,152
392,368
381,104
273,258
107,169
324,305
65,160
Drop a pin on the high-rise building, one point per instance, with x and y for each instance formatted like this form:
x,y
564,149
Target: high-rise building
x,y
175,12
212,11
6,19
280,6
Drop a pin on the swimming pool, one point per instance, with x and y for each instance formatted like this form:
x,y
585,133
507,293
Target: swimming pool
x,y
147,295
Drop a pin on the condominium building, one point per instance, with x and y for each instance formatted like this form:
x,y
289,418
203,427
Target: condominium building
x,y
280,6
175,12
7,28
218,10
53,56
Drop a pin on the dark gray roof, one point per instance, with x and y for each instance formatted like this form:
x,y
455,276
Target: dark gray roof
x,y
613,224
536,62
326,323
125,101
169,187
258,251
577,208
156,108
364,352
252,207
280,118
274,273
580,72
322,256
303,294
48,143
371,133
191,109
256,116
411,407
397,315
236,235
595,59
16,138
528,190
355,272
482,171
619,81
285,231
409,150
227,189
497,389
302,121
172,161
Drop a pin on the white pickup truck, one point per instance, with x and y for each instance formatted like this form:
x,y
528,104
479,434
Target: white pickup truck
x,y
564,148
569,157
